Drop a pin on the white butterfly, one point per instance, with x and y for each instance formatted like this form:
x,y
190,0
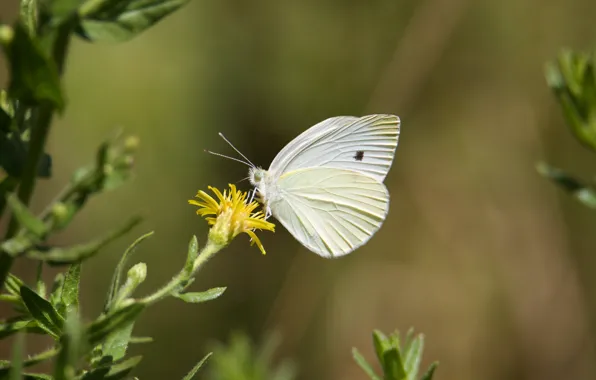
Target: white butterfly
x,y
326,186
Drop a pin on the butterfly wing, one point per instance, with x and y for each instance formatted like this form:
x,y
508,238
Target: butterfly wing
x,y
331,211
364,144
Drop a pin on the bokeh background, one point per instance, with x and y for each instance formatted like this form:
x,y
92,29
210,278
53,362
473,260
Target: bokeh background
x,y
488,260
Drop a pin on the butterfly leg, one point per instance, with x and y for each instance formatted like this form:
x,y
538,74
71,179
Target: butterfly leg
x,y
252,195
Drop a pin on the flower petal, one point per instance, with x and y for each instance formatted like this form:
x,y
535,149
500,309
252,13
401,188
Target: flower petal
x,y
255,240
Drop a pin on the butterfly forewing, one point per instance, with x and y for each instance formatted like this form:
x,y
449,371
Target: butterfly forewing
x,y
331,211
366,145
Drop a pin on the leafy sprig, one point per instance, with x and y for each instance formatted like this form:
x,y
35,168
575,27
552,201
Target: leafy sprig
x,y
399,359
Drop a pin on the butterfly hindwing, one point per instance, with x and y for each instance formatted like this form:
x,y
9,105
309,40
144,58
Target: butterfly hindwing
x,y
331,211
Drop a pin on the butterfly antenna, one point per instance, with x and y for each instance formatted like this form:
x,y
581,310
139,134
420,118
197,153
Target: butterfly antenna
x,y
243,179
237,151
229,158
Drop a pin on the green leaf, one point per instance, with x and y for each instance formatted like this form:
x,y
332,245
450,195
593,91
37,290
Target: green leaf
x,y
77,253
36,376
17,358
113,371
10,327
116,278
7,185
198,297
197,367
31,361
70,342
40,285
193,253
583,193
428,375
28,14
113,322
393,368
573,82
359,359
413,356
43,312
63,9
33,75
69,297
381,344
57,289
115,344
121,20
26,218
140,339
13,284
13,154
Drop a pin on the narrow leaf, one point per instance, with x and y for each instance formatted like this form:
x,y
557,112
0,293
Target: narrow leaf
x,y
428,375
413,356
30,361
77,253
70,288
140,339
57,289
40,285
44,313
393,368
62,9
198,297
28,15
117,21
10,327
119,319
193,253
583,193
116,343
26,218
571,78
197,367
381,344
13,284
7,185
359,359
113,371
37,376
116,278
34,76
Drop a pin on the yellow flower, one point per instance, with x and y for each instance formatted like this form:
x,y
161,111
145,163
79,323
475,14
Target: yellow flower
x,y
231,215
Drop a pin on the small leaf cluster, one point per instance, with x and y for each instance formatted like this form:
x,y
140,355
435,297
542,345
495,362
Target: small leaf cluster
x,y
111,168
36,47
399,360
572,79
241,359
96,349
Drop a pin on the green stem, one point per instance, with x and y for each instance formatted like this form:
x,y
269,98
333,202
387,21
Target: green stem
x,y
207,253
39,134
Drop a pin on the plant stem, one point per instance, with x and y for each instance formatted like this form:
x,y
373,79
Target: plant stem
x,y
207,253
39,133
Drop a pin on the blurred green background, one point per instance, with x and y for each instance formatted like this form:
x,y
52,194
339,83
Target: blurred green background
x,y
492,263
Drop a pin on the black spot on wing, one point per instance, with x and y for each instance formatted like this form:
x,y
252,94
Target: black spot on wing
x,y
359,155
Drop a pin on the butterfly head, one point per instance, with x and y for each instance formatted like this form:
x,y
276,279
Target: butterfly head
x,y
256,176
262,181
